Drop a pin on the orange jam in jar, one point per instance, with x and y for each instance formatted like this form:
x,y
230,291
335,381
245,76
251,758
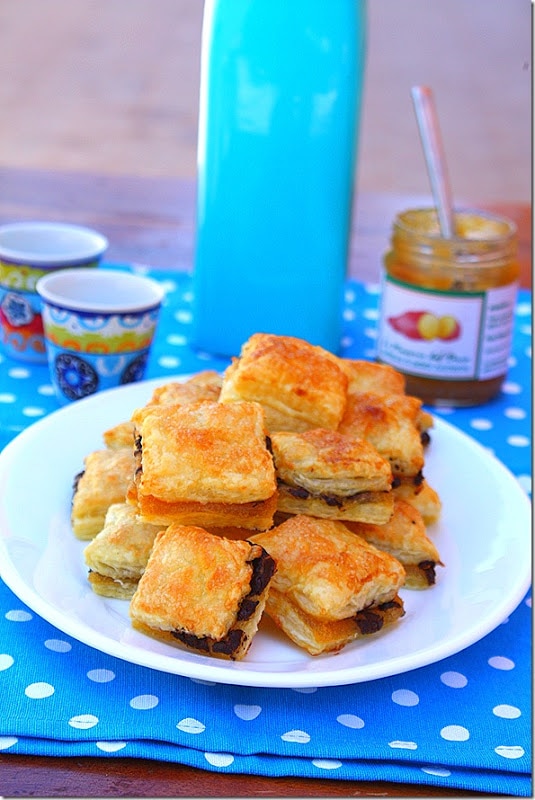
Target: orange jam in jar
x,y
447,305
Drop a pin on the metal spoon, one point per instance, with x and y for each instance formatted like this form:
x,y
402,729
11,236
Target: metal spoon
x,y
426,116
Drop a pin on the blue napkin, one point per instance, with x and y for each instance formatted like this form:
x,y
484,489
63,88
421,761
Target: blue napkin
x,y
463,723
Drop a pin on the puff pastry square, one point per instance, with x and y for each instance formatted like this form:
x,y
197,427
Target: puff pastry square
x,y
389,423
405,537
382,379
204,464
331,586
326,474
299,385
118,555
203,591
104,480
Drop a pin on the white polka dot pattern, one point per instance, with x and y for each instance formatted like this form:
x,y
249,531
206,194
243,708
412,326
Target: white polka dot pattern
x,y
461,723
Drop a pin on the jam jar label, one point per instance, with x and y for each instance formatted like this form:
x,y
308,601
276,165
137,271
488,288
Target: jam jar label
x,y
446,335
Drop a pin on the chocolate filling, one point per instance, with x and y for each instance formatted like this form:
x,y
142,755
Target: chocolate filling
x,y
263,568
198,642
76,481
300,493
428,568
418,478
246,609
230,643
369,621
389,604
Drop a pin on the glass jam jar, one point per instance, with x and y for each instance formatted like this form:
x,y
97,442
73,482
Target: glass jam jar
x,y
447,305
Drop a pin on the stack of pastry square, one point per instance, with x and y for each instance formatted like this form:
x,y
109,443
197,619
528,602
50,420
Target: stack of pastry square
x,y
348,444
291,484
203,465
332,584
180,462
331,587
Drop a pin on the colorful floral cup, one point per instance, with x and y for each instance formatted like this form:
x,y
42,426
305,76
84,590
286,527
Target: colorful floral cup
x,y
99,326
28,251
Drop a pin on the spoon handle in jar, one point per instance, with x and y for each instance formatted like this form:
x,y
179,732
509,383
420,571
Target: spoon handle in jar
x,y
427,119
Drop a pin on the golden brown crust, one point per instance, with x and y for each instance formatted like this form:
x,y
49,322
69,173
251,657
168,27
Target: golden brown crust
x,y
204,463
203,591
119,436
118,555
389,423
204,386
254,516
104,481
325,461
404,536
421,496
317,635
299,385
370,376
380,379
326,474
208,378
328,571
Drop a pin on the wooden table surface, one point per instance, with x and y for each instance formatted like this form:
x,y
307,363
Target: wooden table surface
x,y
151,221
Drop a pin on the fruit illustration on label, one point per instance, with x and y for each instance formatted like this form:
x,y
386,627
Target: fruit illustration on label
x,y
424,326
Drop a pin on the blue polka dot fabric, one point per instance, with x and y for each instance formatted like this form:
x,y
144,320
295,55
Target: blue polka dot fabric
x,y
463,722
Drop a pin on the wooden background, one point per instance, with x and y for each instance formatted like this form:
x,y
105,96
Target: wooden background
x,y
112,86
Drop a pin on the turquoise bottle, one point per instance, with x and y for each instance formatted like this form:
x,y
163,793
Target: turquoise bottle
x,y
280,103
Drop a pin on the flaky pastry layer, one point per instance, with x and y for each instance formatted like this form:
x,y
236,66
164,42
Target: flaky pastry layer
x,y
299,385
328,571
203,591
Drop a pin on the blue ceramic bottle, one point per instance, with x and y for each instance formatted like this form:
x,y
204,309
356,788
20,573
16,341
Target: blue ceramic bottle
x,y
281,85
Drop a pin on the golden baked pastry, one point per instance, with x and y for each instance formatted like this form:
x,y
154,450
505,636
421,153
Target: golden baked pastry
x,y
317,635
204,464
404,536
209,379
203,591
422,496
118,555
205,385
388,422
331,586
326,474
370,376
382,379
119,436
104,480
299,385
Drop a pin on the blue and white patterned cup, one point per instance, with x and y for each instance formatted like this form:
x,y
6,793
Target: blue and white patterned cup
x,y
28,251
99,326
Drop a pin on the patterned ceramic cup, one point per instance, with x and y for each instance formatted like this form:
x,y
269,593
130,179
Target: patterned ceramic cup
x,y
29,250
99,325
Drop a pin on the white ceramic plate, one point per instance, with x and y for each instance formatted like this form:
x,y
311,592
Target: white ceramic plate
x,y
483,538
